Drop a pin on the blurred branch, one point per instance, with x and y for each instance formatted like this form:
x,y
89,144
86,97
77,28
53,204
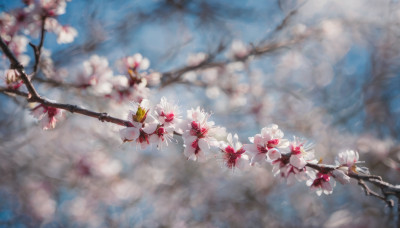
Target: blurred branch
x,y
37,49
175,75
386,188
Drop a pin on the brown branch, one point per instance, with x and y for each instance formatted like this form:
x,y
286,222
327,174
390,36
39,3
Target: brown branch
x,y
38,49
16,65
56,83
33,96
104,117
386,188
175,75
13,91
370,192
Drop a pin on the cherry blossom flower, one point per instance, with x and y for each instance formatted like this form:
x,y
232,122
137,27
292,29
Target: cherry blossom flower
x,y
347,158
18,46
153,78
53,7
96,74
66,34
270,137
199,135
284,169
133,63
196,59
238,50
52,25
301,153
168,115
7,22
46,115
142,124
290,162
322,183
123,90
233,152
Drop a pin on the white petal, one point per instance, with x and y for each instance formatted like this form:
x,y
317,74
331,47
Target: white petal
x,y
229,138
297,161
144,64
204,146
251,149
257,158
273,154
341,176
149,128
129,133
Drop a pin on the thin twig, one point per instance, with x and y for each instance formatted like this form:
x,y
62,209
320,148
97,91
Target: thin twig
x,y
370,192
175,75
38,49
386,188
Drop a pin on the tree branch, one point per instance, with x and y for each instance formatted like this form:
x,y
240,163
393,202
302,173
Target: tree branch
x,y
16,65
386,188
175,75
104,117
38,49
33,96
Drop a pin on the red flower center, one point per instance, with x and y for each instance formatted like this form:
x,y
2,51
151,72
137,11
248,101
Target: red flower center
x,y
168,117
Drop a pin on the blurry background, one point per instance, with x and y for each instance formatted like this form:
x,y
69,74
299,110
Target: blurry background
x,y
329,72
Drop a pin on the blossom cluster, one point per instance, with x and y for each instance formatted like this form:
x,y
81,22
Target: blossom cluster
x,y
156,125
29,20
132,84
291,159
46,115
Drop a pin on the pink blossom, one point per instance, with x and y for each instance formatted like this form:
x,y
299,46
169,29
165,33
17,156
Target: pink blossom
x,y
238,50
301,153
196,59
18,45
96,74
66,34
168,114
290,162
123,90
322,183
134,63
233,152
153,78
199,135
347,158
270,137
283,168
46,115
7,22
53,7
52,25
143,125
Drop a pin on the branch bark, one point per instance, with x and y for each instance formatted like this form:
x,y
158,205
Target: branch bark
x,y
38,49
